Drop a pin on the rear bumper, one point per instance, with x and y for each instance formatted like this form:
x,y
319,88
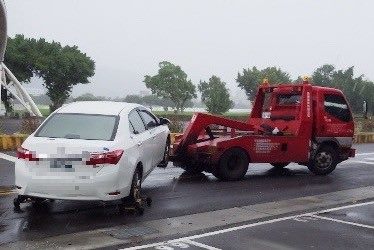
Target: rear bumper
x,y
79,186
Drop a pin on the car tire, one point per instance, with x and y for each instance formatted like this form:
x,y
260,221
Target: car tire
x,y
280,165
324,161
232,166
136,187
165,160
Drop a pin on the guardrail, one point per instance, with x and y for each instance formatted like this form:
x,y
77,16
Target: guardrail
x,y
12,142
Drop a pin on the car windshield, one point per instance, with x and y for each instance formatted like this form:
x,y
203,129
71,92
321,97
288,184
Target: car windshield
x,y
80,126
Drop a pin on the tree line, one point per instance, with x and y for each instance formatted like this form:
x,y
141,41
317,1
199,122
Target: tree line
x,y
62,67
172,82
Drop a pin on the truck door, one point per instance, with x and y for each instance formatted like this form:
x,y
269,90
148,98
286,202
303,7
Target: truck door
x,y
337,119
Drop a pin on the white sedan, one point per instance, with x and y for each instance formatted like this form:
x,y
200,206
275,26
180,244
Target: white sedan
x,y
92,151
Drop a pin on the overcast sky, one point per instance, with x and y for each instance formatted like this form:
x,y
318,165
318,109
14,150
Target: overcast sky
x,y
127,39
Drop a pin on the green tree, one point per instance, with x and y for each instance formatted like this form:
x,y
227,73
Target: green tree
x,y
60,67
356,89
215,95
171,83
251,78
88,97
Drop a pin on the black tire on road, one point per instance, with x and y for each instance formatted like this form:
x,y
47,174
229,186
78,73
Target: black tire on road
x,y
324,161
280,165
136,186
165,160
232,166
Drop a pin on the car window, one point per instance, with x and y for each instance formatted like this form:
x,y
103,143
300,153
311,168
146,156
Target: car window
x,y
149,119
80,126
336,106
135,122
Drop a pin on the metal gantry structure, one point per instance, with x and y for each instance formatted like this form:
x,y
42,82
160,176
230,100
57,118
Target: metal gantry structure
x,y
8,81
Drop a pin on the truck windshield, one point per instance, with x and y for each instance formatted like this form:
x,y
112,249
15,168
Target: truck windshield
x,y
289,99
79,126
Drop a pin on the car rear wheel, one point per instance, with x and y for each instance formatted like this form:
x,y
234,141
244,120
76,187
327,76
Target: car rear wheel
x,y
165,159
232,166
324,161
136,186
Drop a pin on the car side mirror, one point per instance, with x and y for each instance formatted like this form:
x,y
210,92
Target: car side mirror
x,y
164,121
151,124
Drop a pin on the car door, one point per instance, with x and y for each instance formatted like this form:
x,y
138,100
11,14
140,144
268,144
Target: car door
x,y
141,139
154,130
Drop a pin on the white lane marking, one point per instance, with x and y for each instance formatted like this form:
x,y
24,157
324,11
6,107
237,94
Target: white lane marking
x,y
197,236
372,153
369,159
8,157
364,162
343,221
198,244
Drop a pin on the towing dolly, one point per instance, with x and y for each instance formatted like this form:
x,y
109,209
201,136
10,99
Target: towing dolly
x,y
302,123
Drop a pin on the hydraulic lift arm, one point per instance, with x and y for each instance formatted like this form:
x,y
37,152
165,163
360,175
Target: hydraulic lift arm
x,y
202,121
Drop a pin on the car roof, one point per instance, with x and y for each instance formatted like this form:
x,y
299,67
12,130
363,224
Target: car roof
x,y
98,107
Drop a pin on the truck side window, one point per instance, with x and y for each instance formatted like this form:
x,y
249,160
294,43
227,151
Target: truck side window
x,y
336,106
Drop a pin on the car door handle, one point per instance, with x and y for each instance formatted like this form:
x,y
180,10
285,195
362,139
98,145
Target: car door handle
x,y
139,143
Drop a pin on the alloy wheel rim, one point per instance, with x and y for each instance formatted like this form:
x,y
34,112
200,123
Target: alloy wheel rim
x,y
324,159
137,187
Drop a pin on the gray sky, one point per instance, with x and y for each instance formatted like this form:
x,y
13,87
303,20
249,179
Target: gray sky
x,y
127,39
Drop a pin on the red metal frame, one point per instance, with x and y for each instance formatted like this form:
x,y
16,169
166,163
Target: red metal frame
x,y
298,125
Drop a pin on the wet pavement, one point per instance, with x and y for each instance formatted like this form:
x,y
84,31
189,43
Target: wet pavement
x,y
175,193
340,229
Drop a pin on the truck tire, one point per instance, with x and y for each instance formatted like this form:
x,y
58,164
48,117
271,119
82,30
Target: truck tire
x,y
279,165
324,161
232,166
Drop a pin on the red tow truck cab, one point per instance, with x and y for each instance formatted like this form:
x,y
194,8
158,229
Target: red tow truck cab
x,y
302,123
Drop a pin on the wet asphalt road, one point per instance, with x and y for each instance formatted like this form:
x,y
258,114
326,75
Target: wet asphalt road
x,y
348,228
174,194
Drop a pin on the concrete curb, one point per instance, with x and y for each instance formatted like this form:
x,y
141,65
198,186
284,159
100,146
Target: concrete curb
x,y
364,137
11,142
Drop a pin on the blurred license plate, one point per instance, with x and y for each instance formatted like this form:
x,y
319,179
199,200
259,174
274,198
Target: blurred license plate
x,y
62,165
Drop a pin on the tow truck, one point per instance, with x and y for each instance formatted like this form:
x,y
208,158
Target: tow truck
x,y
302,123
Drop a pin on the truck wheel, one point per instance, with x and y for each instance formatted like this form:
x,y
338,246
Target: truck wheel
x,y
232,166
324,161
279,165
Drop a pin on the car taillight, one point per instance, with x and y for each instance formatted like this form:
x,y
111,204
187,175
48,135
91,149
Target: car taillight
x,y
112,157
26,154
